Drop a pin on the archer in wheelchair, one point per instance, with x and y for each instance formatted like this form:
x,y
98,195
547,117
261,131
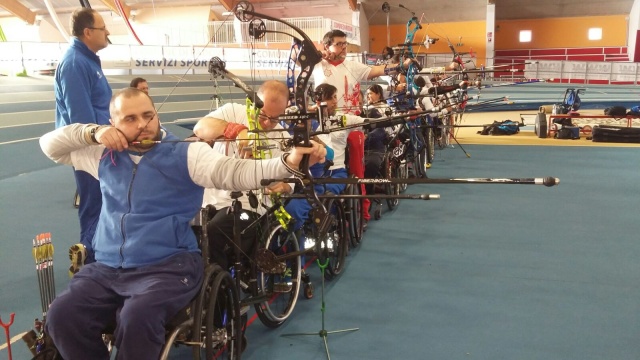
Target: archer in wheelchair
x,y
273,292
148,263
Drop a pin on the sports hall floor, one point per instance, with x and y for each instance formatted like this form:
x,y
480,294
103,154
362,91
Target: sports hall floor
x,y
486,272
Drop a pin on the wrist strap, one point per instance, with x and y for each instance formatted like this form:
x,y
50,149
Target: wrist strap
x,y
291,170
232,130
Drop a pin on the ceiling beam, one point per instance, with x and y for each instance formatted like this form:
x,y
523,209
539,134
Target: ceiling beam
x,y
112,6
228,4
353,5
19,10
213,16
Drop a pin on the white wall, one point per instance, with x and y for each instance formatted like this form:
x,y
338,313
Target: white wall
x,y
17,30
178,25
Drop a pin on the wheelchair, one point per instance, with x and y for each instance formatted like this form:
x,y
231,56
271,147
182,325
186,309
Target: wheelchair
x,y
272,288
212,324
393,166
326,239
354,212
331,245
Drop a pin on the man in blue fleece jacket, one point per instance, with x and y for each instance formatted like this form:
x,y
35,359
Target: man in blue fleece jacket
x,y
82,96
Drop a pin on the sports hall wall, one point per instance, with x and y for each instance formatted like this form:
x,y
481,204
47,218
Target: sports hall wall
x,y
554,33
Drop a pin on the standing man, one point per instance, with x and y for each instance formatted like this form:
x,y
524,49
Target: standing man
x,y
82,96
346,75
140,84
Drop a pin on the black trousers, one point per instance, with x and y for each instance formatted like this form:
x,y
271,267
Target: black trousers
x,y
220,233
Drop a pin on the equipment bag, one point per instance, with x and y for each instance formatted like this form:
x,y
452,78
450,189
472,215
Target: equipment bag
x,y
568,132
506,127
618,134
616,110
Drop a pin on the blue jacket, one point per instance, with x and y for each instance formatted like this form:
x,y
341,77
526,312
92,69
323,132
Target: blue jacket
x,y
81,89
151,223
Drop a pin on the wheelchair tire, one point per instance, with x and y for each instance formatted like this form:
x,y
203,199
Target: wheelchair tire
x,y
355,216
403,173
276,307
223,325
430,140
420,157
199,314
391,172
338,233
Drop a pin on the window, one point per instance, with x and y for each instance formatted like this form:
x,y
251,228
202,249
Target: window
x,y
595,34
525,35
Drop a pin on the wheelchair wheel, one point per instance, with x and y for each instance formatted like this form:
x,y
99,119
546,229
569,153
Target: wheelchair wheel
x,y
420,157
279,290
197,334
223,325
443,136
216,326
337,240
430,140
391,172
355,216
403,173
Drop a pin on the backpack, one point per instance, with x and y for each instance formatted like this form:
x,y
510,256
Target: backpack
x,y
573,101
506,127
634,111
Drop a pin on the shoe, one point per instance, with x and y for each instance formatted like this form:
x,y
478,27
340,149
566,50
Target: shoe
x,y
365,224
77,255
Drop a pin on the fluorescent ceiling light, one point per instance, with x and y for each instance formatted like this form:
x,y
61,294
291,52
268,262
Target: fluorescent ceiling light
x,y
273,8
323,5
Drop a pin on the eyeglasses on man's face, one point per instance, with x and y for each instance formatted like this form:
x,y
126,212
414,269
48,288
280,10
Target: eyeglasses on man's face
x,y
272,119
104,28
341,44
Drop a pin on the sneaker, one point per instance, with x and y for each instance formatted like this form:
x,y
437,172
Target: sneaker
x,y
77,255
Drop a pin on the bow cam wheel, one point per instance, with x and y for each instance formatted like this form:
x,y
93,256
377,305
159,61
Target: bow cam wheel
x,y
240,11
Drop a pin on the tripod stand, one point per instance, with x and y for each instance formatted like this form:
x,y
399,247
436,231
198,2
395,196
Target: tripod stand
x,y
323,333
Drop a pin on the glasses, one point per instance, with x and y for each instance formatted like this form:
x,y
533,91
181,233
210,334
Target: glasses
x,y
341,44
104,28
273,119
